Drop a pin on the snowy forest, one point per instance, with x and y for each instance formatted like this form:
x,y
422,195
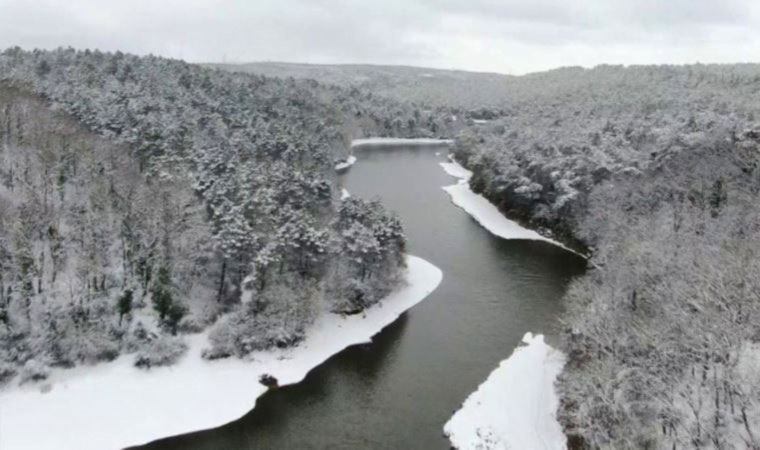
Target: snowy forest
x,y
144,198
653,171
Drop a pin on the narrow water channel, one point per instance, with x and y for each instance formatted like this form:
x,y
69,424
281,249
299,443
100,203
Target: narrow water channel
x,y
398,392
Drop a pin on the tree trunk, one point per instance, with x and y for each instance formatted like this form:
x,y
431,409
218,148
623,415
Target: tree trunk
x,y
748,427
222,280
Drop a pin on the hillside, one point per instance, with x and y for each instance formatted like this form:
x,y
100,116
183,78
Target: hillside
x,y
143,198
656,170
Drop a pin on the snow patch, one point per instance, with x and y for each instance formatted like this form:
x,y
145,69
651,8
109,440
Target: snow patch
x,y
381,141
116,405
515,408
346,164
455,169
344,194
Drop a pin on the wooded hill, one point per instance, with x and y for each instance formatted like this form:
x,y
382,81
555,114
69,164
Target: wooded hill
x,y
655,170
142,196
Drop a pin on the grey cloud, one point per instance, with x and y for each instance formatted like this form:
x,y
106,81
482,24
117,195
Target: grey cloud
x,y
500,35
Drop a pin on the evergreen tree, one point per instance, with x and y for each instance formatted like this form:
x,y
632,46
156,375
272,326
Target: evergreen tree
x,y
124,304
161,292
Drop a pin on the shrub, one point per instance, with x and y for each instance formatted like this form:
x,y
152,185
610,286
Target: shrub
x,y
163,350
277,317
34,371
7,372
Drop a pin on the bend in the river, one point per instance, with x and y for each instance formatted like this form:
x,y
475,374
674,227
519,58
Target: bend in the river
x,y
399,391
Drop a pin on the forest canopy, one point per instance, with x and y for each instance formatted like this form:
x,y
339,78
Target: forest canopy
x,y
654,170
143,198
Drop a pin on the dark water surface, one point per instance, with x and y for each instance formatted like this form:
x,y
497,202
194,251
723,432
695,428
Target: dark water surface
x,y
398,392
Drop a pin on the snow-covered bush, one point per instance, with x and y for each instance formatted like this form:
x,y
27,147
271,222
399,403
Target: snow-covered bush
x,y
79,332
162,350
277,316
33,371
136,336
7,371
190,324
14,347
349,294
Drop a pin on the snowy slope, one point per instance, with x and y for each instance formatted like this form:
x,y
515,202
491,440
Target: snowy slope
x,y
111,406
515,407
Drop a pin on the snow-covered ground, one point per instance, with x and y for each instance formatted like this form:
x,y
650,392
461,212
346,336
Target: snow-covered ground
x,y
346,164
114,405
485,212
377,141
515,408
456,170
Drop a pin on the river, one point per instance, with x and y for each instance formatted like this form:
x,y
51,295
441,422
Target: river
x,y
398,392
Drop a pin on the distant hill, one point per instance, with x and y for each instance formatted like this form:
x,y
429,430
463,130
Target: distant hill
x,y
435,87
479,91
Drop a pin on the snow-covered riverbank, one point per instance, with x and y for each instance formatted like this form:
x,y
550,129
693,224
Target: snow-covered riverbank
x,y
485,212
381,141
515,408
114,405
346,164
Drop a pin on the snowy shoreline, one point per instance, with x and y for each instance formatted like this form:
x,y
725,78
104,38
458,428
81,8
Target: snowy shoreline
x,y
485,212
115,405
350,161
515,408
381,141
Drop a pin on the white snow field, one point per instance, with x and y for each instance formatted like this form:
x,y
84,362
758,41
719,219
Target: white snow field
x,y
380,141
515,407
115,405
346,164
485,212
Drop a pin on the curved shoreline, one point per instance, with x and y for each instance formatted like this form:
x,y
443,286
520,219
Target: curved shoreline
x,y
486,213
515,407
116,405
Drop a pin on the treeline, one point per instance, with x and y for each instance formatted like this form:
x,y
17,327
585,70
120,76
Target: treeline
x,y
457,91
143,197
656,171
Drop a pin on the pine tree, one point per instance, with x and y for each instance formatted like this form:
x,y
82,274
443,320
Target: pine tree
x,y
124,304
161,292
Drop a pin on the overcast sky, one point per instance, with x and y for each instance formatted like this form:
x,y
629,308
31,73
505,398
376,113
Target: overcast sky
x,y
508,36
